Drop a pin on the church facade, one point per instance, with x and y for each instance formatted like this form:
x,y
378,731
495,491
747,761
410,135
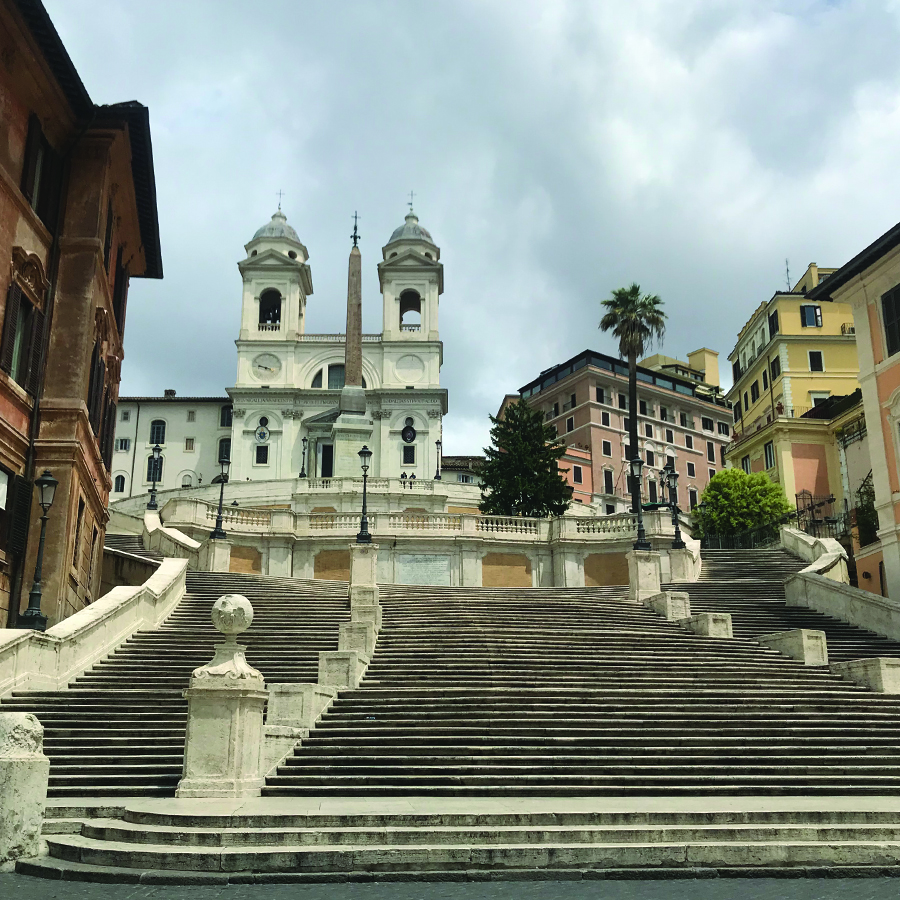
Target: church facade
x,y
294,409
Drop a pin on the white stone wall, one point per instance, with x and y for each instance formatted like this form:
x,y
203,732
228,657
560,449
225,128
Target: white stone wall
x,y
200,463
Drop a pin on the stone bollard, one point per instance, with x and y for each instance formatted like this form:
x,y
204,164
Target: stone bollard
x,y
673,605
363,574
341,669
293,710
24,771
877,673
715,625
804,644
357,636
226,698
644,570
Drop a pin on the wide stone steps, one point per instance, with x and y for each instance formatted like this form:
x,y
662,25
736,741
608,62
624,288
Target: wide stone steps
x,y
131,543
754,596
124,720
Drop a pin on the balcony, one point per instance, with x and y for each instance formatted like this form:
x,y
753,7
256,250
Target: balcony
x,y
269,326
848,328
410,328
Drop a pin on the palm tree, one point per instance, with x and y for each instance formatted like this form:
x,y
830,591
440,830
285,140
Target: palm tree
x,y
637,320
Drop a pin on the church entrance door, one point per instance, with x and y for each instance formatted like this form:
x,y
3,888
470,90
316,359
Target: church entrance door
x,y
327,461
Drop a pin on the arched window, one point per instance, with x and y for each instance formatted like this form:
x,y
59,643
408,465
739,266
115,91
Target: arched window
x,y
410,311
186,481
150,467
157,431
335,376
225,415
119,485
224,449
270,307
317,380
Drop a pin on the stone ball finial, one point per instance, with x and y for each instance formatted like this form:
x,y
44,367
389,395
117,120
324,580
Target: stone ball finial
x,y
21,735
232,614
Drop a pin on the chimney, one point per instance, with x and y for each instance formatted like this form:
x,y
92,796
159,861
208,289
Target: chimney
x,y
169,393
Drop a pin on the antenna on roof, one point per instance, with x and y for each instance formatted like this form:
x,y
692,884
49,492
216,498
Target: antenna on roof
x,y
787,274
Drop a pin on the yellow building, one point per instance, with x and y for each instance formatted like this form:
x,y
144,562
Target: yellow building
x,y
791,357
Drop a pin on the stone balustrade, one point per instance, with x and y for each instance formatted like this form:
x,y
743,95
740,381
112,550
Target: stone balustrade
x,y
186,512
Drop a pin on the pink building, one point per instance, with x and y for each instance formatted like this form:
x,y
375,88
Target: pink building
x,y
680,417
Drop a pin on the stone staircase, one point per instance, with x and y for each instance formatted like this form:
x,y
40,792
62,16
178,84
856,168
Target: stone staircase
x,y
119,729
130,543
319,841
749,584
560,692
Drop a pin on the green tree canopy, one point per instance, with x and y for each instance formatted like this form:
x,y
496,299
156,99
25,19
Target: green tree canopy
x,y
735,501
520,476
637,320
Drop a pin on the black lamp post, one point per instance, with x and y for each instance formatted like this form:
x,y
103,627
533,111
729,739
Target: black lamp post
x,y
636,465
303,465
672,483
219,531
437,473
33,617
157,450
701,507
364,537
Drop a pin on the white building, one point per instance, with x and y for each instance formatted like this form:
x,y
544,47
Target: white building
x,y
192,432
289,382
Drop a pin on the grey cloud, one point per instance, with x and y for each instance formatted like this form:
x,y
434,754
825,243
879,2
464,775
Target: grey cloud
x,y
558,150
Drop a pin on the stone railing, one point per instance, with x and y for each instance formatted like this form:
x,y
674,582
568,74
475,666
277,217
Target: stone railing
x,y
625,523
506,525
344,522
845,603
424,522
355,485
168,541
31,660
335,338
253,518
825,555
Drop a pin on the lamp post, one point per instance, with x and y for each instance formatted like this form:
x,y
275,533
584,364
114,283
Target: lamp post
x,y
303,465
33,617
219,532
701,507
364,537
157,450
437,473
636,465
672,483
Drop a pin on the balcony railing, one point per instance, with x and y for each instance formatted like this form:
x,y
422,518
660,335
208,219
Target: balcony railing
x,y
410,327
269,326
848,328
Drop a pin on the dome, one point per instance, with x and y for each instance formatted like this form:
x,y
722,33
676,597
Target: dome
x,y
277,228
411,230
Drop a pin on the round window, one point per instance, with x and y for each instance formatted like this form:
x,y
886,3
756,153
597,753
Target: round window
x,y
263,420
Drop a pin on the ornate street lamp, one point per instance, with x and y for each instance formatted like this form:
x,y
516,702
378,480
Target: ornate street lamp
x,y
33,617
157,450
219,531
364,537
437,473
303,466
636,465
672,482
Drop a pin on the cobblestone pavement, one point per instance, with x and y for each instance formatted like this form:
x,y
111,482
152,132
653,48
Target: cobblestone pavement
x,y
18,887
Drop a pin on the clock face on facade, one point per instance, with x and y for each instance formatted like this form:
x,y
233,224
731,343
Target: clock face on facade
x,y
266,366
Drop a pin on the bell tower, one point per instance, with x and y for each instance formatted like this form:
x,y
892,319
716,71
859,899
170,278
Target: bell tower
x,y
412,279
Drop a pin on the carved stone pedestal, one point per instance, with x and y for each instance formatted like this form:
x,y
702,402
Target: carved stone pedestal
x,y
226,698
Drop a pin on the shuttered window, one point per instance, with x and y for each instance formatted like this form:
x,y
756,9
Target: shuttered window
x,y
22,341
96,387
157,431
41,175
890,308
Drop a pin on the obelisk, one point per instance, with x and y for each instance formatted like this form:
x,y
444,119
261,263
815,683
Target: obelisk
x,y
353,397
352,427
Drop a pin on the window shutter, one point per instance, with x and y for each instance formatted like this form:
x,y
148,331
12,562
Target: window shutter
x,y
95,390
120,289
32,152
20,514
35,351
50,184
109,430
10,320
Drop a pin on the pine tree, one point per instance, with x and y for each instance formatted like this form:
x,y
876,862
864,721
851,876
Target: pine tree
x,y
520,476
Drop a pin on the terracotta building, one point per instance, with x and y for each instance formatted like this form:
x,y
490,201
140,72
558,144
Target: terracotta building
x,y
681,417
77,220
869,285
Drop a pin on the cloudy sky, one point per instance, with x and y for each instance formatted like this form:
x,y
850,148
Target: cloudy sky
x,y
558,149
